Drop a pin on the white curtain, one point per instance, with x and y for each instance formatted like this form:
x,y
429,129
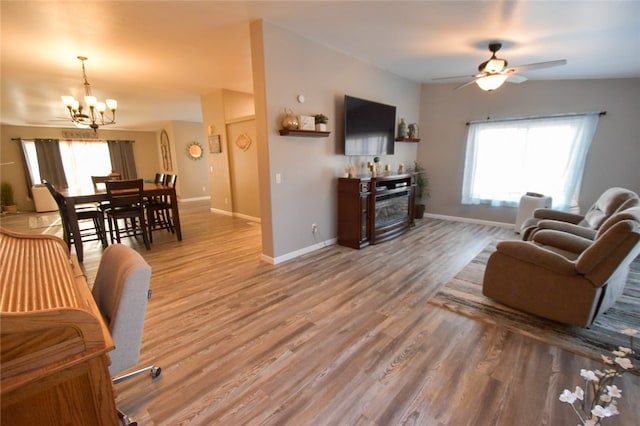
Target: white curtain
x,y
81,160
506,159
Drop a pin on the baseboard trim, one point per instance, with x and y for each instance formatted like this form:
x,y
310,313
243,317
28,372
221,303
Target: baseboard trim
x,y
292,255
191,200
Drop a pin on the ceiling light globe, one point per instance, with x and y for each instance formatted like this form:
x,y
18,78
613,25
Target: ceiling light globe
x,y
491,82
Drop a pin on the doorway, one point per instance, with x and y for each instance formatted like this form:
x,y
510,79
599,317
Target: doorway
x,y
243,168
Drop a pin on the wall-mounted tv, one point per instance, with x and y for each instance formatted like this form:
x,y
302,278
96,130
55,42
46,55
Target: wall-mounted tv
x,y
369,127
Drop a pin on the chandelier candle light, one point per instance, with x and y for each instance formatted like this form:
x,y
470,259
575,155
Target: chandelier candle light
x,y
95,117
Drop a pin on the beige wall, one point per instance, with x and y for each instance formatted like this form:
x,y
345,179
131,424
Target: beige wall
x,y
193,182
613,159
309,167
145,151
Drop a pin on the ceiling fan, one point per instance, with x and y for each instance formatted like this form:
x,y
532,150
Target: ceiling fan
x,y
494,72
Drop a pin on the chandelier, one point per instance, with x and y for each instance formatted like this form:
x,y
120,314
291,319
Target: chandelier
x,y
95,116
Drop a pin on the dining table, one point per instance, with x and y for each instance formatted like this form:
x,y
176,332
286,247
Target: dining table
x,y
76,196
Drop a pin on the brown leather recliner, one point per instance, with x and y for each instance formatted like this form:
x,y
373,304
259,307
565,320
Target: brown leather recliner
x,y
565,277
610,202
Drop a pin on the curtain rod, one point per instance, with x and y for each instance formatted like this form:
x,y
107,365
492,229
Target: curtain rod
x,y
74,139
570,114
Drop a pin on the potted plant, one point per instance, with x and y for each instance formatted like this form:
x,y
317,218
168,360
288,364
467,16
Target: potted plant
x,y
321,122
6,198
422,190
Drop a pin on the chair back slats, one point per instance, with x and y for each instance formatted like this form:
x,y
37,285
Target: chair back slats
x,y
124,193
170,180
99,182
126,201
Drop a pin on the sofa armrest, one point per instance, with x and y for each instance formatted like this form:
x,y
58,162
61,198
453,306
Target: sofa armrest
x,y
605,249
571,228
557,215
529,252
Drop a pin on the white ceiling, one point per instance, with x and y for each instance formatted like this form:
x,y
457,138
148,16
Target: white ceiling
x,y
158,57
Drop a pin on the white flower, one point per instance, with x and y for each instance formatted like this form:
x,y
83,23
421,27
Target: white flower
x,y
606,359
613,409
600,411
629,331
624,363
589,375
579,393
567,396
605,398
614,391
625,350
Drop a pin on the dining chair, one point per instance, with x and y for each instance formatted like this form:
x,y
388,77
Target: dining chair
x,y
85,214
158,180
99,185
126,202
159,214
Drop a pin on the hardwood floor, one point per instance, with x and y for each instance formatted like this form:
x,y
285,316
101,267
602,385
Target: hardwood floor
x,y
335,337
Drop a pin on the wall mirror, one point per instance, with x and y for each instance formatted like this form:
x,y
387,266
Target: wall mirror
x,y
195,151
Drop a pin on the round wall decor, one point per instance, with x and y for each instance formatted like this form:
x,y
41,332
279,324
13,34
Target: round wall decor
x,y
194,150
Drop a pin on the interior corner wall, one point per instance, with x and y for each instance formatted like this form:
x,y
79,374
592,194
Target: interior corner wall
x,y
306,191
146,148
613,158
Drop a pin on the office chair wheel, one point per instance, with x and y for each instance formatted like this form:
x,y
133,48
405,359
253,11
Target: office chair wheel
x,y
126,420
155,372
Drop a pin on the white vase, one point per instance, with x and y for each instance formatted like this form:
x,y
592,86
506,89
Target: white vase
x,y
321,127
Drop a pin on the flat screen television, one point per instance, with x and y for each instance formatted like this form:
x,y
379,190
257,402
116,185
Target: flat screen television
x,y
369,127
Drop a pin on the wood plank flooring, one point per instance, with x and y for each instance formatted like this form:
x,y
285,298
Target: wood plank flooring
x,y
335,337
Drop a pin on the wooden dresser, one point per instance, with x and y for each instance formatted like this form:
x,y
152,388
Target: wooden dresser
x,y
54,344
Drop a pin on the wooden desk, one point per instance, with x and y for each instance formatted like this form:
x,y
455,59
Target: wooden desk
x,y
54,342
74,197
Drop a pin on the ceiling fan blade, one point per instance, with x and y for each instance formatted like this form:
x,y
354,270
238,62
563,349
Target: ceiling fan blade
x,y
453,78
516,78
468,83
536,66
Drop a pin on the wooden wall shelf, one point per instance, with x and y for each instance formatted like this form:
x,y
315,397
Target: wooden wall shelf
x,y
407,140
305,133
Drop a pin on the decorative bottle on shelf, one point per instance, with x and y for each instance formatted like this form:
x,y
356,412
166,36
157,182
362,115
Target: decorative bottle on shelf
x,y
402,129
290,121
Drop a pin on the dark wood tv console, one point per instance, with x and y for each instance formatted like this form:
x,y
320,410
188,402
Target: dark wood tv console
x,y
374,209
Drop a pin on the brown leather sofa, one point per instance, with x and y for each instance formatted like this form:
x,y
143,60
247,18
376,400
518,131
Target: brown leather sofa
x,y
562,276
610,202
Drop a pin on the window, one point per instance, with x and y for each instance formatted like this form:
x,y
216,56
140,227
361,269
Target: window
x,y
80,160
506,159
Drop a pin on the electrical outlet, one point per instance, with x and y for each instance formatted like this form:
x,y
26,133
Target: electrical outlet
x,y
314,228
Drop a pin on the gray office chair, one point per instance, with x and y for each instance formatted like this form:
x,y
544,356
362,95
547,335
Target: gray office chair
x,y
121,291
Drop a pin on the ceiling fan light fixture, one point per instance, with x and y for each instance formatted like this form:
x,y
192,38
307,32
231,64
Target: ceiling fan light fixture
x,y
491,82
493,65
